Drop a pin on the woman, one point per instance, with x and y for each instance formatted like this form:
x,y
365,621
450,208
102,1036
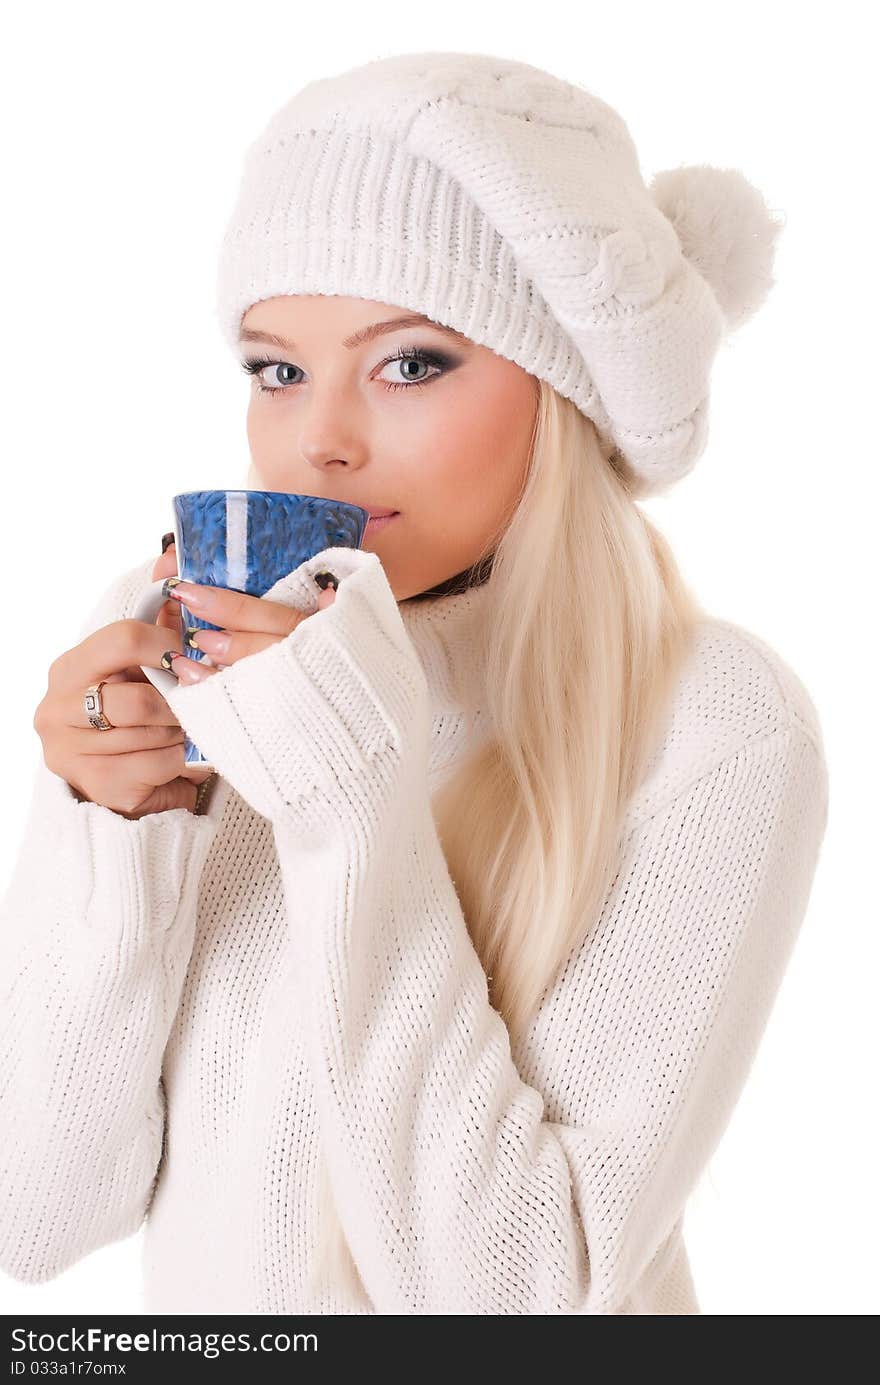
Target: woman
x,y
442,997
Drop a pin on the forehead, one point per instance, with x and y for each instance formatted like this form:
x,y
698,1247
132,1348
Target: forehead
x,y
280,321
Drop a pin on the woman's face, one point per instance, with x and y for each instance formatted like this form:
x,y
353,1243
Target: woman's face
x,y
412,418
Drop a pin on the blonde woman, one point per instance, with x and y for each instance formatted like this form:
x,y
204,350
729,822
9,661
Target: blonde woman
x,y
438,996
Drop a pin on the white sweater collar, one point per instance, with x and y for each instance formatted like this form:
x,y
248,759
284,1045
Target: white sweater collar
x,y
448,634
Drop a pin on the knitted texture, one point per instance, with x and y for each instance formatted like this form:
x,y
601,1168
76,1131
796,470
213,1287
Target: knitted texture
x,y
508,203
196,1009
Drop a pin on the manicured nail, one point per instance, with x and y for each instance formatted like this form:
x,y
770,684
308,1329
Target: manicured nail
x,y
190,593
201,599
214,641
167,539
327,579
191,671
170,655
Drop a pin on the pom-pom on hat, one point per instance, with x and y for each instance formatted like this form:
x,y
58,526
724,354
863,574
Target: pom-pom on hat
x,y
508,203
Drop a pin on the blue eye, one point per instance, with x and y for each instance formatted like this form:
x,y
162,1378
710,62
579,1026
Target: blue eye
x,y
255,368
411,354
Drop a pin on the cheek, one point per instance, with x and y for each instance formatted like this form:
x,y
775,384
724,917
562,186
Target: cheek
x,y
479,446
258,433
269,445
253,433
465,464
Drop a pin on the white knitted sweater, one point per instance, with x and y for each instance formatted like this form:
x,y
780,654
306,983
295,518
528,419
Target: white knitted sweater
x,y
186,1000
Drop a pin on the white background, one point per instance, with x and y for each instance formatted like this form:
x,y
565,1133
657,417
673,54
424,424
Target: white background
x,y
123,130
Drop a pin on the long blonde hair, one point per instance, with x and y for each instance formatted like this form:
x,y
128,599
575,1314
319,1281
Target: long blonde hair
x,y
591,625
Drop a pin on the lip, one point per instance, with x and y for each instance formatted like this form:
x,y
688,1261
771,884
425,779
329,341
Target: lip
x,y
379,514
379,521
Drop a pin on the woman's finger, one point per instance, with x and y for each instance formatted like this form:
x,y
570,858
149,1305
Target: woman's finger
x,y
166,566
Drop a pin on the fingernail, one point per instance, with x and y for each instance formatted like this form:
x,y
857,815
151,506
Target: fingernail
x,y
191,671
214,641
167,660
199,598
166,540
327,579
190,593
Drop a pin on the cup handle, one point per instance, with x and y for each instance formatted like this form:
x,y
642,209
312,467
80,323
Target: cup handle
x,y
147,607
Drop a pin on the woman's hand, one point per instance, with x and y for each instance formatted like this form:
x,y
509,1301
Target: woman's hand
x,y
137,766
248,624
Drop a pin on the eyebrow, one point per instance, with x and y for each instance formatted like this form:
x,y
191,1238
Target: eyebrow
x,y
364,334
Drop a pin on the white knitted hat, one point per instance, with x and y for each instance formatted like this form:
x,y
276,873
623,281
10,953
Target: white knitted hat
x,y
501,200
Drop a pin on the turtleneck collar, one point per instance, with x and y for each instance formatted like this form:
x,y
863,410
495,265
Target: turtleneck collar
x,y
448,634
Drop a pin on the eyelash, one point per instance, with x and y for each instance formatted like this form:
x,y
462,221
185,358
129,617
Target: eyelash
x,y
255,366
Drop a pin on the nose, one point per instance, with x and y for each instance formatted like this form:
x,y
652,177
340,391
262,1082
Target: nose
x,y
329,436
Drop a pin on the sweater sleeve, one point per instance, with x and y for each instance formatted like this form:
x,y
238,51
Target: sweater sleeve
x,y
462,1187
96,928
466,1183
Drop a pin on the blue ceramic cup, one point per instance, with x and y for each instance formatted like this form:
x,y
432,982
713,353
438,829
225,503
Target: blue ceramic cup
x,y
246,541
